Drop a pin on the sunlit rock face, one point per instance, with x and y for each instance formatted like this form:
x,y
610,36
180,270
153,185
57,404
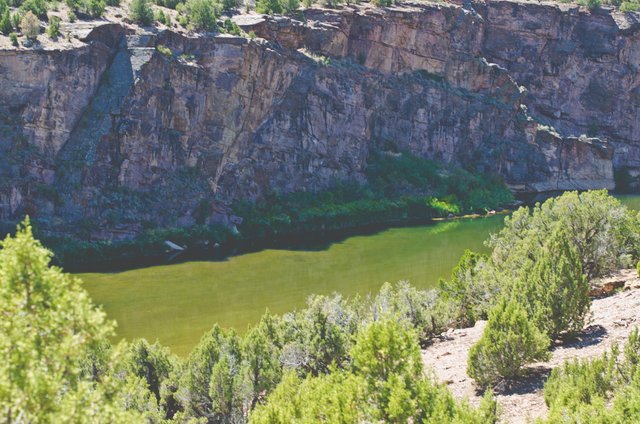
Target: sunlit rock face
x,y
117,132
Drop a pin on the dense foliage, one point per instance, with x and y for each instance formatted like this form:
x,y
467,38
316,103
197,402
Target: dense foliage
x,y
601,229
202,14
542,261
5,22
48,332
53,30
61,364
277,6
140,12
601,390
399,188
509,341
465,294
384,383
92,8
337,360
30,25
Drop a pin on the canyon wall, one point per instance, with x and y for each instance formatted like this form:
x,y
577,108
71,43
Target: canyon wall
x,y
116,133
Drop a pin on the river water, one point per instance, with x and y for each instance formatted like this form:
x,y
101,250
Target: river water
x,y
176,304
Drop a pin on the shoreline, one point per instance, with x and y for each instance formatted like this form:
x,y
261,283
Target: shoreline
x,y
321,240
136,254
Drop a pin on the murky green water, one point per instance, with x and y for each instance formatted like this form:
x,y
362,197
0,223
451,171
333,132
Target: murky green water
x,y
176,304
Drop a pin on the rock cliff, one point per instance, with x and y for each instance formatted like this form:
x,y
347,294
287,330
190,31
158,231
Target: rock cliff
x,y
114,131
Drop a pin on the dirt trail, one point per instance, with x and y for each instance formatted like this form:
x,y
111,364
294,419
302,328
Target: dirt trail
x,y
612,319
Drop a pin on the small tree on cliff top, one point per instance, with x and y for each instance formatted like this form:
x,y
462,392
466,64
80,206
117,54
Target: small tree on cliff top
x,y
5,23
141,12
30,25
203,14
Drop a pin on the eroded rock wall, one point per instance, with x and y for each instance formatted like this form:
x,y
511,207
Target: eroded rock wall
x,y
226,118
43,94
580,68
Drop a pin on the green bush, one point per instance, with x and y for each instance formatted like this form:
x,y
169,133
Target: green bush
x,y
140,12
232,28
203,14
210,388
165,51
30,26
171,4
590,4
163,18
93,8
603,231
49,319
5,23
629,6
553,287
37,7
230,5
270,7
510,340
14,39
290,6
579,382
385,384
467,296
53,30
602,390
417,308
16,18
151,362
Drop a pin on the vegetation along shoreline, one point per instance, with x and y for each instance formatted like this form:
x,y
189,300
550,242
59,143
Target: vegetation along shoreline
x,y
400,189
343,359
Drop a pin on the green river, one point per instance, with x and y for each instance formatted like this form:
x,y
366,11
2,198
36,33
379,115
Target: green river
x,y
176,304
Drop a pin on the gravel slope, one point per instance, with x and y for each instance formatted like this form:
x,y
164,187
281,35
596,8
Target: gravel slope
x,y
612,319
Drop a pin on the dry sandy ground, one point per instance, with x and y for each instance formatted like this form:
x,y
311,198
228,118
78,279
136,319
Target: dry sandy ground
x,y
612,320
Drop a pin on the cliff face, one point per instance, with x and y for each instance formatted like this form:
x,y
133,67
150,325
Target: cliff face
x,y
580,69
43,94
118,133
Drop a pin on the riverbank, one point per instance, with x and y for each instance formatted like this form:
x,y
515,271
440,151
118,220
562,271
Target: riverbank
x,y
613,319
400,190
214,243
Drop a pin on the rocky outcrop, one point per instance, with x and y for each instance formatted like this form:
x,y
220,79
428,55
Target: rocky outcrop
x,y
43,94
580,69
124,135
